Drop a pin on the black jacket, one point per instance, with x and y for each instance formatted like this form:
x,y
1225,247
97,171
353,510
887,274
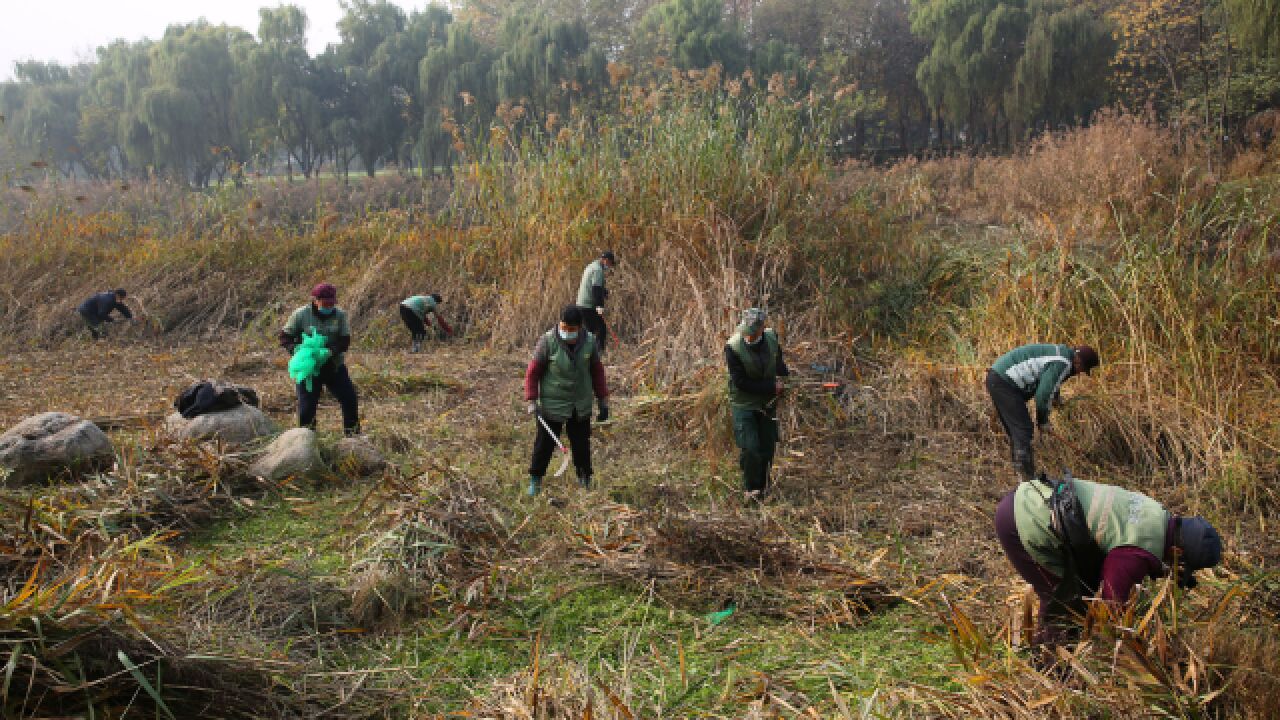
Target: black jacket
x,y
99,307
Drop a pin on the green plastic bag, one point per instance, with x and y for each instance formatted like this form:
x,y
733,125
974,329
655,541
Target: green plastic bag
x,y
308,357
716,618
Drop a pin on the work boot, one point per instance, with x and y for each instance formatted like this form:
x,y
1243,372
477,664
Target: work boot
x,y
535,485
347,432
417,346
585,481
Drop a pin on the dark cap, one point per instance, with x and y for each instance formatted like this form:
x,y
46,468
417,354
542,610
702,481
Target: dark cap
x,y
1200,543
324,291
1088,358
436,297
121,293
608,255
571,315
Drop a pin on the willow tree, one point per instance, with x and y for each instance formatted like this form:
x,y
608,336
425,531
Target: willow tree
x,y
42,107
283,99
455,92
695,34
377,105
1258,22
1061,76
545,64
189,108
994,65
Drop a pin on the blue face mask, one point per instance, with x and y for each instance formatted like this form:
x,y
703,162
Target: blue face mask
x,y
567,336
325,311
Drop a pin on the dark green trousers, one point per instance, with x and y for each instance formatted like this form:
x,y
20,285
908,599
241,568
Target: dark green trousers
x,y
756,434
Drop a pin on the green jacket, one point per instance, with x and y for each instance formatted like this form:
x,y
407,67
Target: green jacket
x,y
1116,517
1038,371
565,389
756,370
421,305
332,326
592,276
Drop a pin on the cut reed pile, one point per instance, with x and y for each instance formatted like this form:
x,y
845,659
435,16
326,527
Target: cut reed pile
x,y
1160,656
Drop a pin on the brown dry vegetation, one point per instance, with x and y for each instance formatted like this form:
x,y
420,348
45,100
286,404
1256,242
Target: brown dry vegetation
x,y
900,284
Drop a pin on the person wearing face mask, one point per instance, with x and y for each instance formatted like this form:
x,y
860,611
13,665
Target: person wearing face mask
x,y
559,383
323,316
754,358
592,293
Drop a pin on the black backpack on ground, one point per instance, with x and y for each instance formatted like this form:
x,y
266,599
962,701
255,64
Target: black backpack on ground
x,y
210,396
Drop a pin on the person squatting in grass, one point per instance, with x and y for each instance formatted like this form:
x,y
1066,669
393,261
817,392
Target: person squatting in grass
x,y
564,373
323,316
1127,538
592,293
754,358
414,311
97,308
1032,371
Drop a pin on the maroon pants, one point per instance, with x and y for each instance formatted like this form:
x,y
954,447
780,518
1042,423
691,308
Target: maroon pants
x,y
1041,580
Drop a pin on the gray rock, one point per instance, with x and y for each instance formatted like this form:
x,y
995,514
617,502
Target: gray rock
x,y
240,424
53,444
294,454
356,457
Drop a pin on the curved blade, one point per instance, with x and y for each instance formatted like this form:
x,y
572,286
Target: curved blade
x,y
564,451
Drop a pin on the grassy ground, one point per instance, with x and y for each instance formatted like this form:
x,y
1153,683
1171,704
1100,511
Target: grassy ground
x,y
441,589
450,416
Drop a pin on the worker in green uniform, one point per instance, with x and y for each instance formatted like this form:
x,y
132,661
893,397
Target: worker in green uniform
x,y
417,312
592,294
754,358
1071,539
322,316
560,381
1032,371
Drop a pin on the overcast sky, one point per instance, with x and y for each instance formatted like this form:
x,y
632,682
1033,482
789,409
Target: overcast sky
x,y
69,30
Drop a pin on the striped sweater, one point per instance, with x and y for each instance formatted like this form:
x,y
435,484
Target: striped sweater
x,y
1038,370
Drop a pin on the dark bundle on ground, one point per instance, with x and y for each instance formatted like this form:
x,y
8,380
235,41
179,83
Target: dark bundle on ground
x,y
738,558
732,542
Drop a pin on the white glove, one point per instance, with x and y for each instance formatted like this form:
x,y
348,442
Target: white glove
x,y
533,407
600,311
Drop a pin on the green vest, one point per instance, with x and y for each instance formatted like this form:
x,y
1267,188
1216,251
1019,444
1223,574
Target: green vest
x,y
1116,517
768,370
335,325
566,387
593,275
420,305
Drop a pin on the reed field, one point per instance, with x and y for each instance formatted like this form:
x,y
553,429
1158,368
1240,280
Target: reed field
x,y
870,584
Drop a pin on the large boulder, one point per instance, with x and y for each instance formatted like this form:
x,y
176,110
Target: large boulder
x,y
240,424
53,444
356,457
296,453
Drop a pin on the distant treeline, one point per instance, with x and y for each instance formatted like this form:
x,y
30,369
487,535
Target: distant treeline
x,y
206,103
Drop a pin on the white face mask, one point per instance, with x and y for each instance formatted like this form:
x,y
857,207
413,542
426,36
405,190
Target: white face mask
x,y
567,336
